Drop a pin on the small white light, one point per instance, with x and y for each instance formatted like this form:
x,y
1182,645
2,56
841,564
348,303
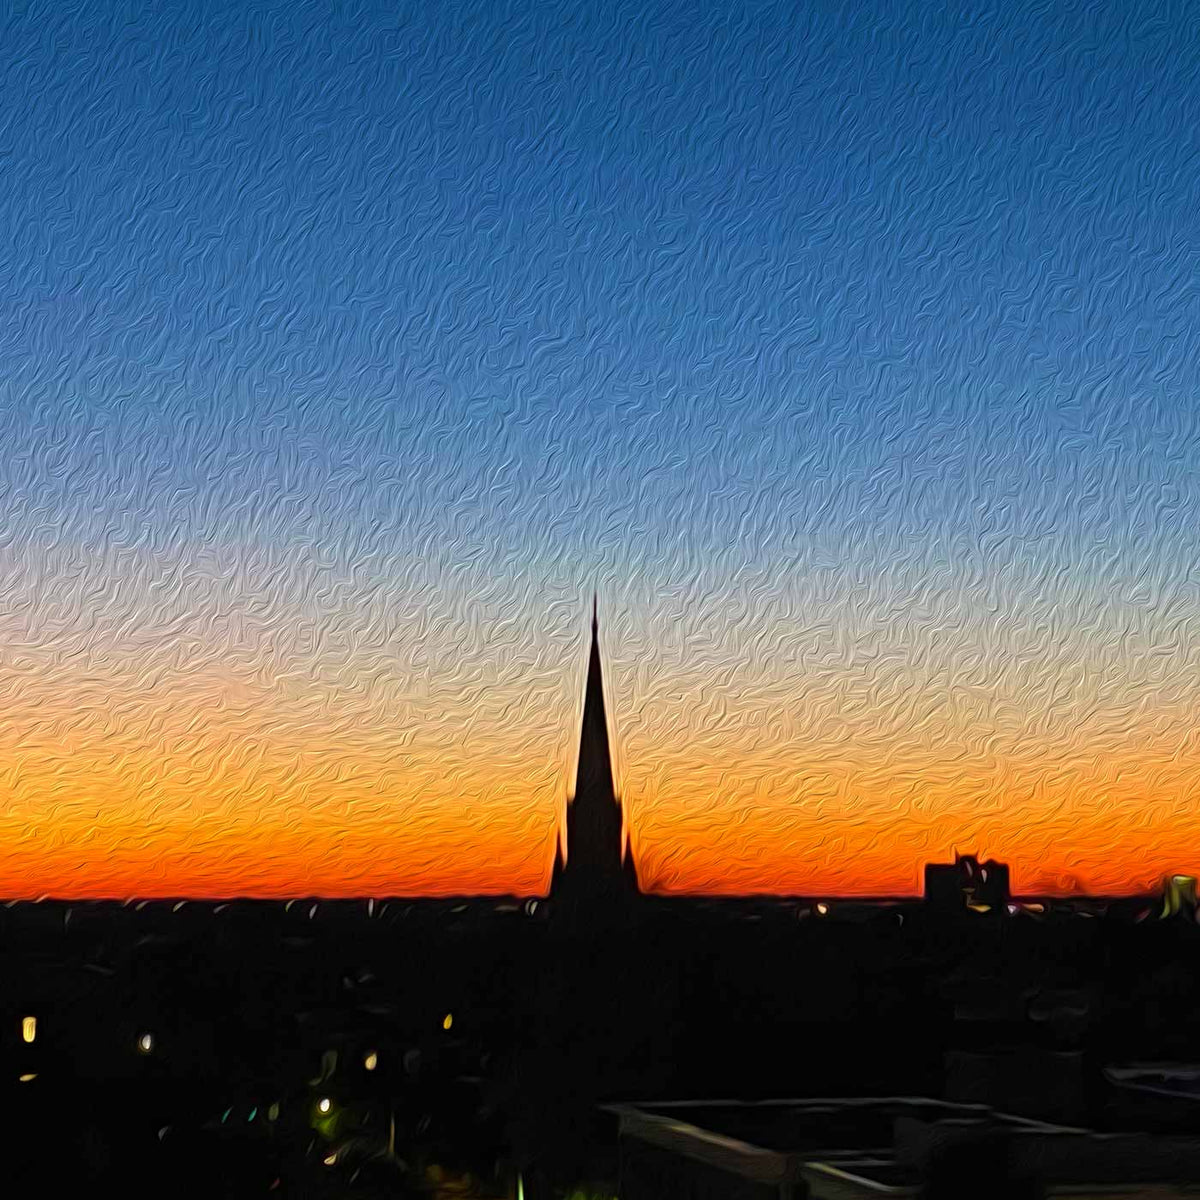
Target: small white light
x,y
146,1043
324,1104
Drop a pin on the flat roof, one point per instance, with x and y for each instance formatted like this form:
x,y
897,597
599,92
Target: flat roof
x,y
821,1125
846,1149
1179,1081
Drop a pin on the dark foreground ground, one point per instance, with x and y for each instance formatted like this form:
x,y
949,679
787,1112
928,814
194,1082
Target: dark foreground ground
x,y
462,1049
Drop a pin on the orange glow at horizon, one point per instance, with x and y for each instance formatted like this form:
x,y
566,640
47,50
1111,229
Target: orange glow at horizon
x,y
1071,824
214,778
829,829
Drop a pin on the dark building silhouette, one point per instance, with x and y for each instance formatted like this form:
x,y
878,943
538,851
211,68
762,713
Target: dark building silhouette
x,y
598,863
967,884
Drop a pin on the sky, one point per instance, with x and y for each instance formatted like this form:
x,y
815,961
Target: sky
x,y
847,351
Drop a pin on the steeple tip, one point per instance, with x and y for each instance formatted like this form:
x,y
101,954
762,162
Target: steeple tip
x,y
595,621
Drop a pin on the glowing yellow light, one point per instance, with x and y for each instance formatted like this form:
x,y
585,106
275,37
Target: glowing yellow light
x,y
371,1061
448,1021
28,1078
822,909
331,1159
146,1043
28,1030
324,1105
273,1113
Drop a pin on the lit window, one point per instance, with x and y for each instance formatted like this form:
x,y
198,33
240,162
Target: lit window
x,y
28,1030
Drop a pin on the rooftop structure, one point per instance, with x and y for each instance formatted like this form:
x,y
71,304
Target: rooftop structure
x,y
859,1149
967,884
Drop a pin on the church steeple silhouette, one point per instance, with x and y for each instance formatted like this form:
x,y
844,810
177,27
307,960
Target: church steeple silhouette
x,y
597,864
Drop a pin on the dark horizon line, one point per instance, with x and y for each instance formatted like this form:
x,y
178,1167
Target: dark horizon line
x,y
9,902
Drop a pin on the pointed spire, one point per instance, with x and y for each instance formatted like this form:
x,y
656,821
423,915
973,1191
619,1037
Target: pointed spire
x,y
595,762
596,843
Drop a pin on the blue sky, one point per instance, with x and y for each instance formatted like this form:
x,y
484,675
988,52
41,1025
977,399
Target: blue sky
x,y
675,248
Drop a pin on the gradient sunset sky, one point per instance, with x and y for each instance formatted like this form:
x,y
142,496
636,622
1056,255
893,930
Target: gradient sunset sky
x,y
848,350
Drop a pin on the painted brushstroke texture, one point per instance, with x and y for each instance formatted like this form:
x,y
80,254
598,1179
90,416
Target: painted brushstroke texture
x,y
848,350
